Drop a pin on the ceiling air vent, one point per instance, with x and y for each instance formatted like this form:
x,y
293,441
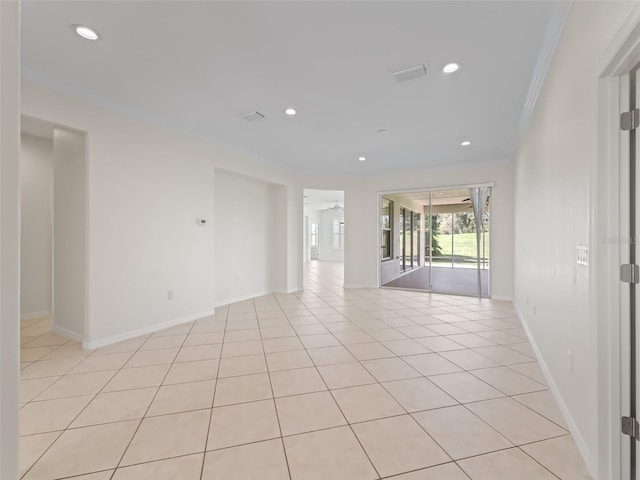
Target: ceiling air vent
x,y
409,73
252,116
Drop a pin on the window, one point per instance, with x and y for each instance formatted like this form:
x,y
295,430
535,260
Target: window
x,y
314,235
386,219
338,233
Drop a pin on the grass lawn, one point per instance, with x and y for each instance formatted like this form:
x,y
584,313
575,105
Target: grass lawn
x,y
464,247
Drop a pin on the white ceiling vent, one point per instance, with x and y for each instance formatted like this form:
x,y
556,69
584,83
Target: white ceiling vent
x,y
409,73
252,116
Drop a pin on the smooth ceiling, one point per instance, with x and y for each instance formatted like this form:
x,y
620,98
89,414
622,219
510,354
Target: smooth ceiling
x,y
195,67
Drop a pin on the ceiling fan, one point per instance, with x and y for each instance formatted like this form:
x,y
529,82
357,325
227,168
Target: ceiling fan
x,y
337,207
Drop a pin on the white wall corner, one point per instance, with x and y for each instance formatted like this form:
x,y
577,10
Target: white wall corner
x,y
104,342
555,391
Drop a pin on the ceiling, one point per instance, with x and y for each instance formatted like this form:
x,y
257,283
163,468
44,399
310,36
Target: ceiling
x,y
322,199
195,67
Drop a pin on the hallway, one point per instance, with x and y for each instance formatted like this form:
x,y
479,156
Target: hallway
x,y
322,384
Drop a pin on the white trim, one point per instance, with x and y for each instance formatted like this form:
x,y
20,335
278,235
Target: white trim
x,y
63,332
566,413
547,52
242,298
92,345
34,315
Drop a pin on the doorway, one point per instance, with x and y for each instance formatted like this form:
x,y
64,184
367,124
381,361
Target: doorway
x,y
436,240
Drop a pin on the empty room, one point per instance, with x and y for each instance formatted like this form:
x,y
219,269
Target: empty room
x,y
317,240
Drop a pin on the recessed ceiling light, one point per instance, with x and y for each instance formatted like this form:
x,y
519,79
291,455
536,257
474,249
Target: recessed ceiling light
x,y
362,159
86,32
383,131
290,111
466,143
451,67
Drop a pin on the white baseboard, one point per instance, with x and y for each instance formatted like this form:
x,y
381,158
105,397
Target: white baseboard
x,y
31,316
63,332
242,298
502,298
566,413
93,344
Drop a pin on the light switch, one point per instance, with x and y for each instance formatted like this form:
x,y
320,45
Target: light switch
x,y
583,255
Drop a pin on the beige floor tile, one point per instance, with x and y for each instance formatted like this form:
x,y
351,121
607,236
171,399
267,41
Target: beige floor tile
x,y
383,334
561,456
468,359
366,402
446,329
36,353
32,447
465,388
353,337
416,394
168,341
543,403
31,388
531,370
237,324
46,340
244,423
405,347
431,364
199,352
168,436
144,358
284,344
448,471
470,340
245,365
70,350
288,360
104,475
182,468
503,355
247,388
237,349
311,329
277,332
183,397
505,464
182,329
197,337
76,385
126,346
328,454
242,463
525,348
398,445
139,377
500,337
217,327
330,355
460,433
102,447
370,351
192,372
439,344
387,369
51,415
515,421
304,413
242,335
49,368
294,382
99,363
116,407
508,381
320,340
345,375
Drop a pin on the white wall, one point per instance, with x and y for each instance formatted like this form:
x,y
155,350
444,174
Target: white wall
x,y
245,235
36,225
327,251
70,233
9,235
554,205
147,188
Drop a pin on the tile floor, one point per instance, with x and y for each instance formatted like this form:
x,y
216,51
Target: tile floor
x,y
322,384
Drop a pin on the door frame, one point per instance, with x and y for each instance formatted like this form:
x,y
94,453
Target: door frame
x,y
609,238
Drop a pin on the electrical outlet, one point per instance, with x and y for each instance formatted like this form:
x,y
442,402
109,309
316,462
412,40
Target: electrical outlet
x,y
583,255
170,295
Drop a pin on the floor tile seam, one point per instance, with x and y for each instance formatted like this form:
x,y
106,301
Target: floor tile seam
x,y
564,427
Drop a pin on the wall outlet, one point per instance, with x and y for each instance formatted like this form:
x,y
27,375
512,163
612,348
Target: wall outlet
x,y
170,295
